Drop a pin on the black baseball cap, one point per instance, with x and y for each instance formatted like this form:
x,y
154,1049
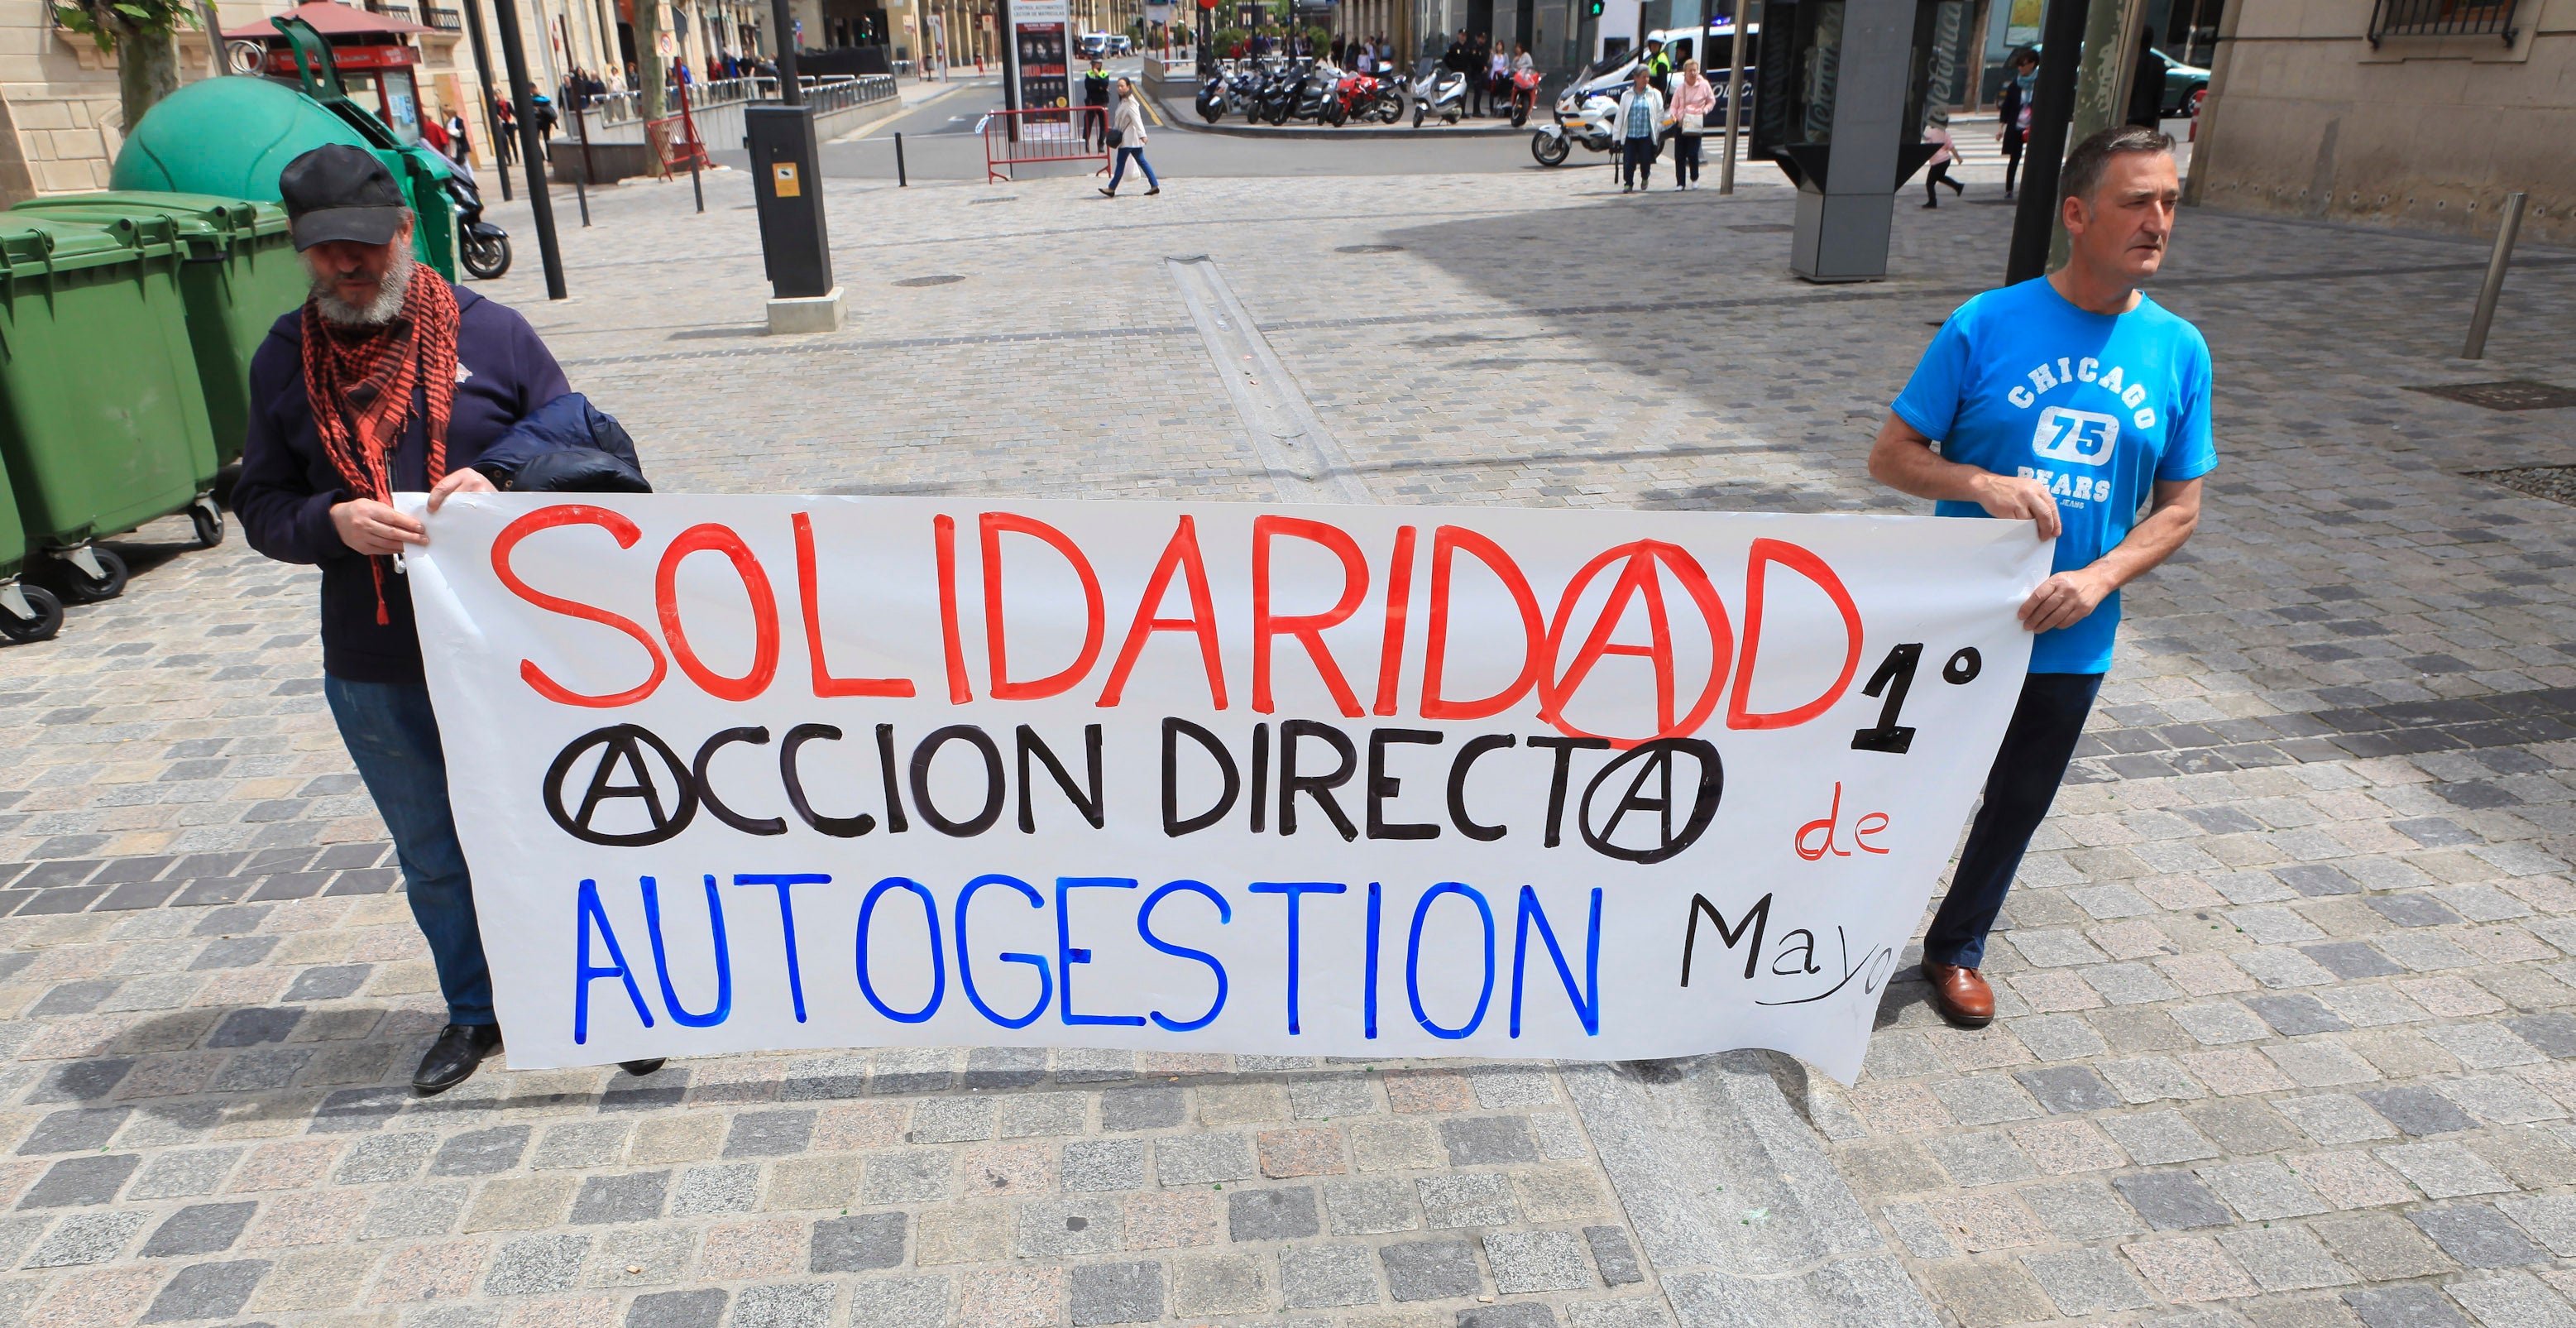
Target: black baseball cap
x,y
340,192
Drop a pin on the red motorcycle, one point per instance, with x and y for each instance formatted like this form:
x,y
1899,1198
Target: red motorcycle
x,y
1364,97
1524,96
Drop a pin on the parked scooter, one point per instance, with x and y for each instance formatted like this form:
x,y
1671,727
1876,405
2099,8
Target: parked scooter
x,y
1234,91
1438,91
1363,97
1589,125
482,247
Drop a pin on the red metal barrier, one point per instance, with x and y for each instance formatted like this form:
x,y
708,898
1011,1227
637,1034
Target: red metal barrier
x,y
1013,138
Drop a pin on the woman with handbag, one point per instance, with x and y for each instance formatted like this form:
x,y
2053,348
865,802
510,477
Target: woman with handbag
x,y
1127,139
1692,102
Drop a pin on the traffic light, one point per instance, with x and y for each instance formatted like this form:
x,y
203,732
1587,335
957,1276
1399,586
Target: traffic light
x,y
1592,8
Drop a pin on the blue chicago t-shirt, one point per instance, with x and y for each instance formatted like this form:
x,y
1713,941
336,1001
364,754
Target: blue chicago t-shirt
x,y
2020,382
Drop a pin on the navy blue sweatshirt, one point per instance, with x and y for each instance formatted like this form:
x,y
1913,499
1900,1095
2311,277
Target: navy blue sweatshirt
x,y
288,484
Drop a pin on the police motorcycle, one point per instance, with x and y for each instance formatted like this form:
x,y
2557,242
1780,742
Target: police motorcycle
x,y
1438,91
1587,120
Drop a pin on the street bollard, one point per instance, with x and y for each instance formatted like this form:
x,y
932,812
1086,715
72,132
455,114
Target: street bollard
x,y
695,184
901,181
2496,264
581,182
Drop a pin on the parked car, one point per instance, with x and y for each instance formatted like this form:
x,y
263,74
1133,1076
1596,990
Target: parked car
x,y
1121,44
2184,86
1092,45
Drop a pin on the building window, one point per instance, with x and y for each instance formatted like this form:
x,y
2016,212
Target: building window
x,y
2442,18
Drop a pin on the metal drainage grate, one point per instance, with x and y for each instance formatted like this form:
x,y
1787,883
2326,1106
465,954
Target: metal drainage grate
x,y
1370,249
943,279
2512,394
1763,228
2555,483
998,198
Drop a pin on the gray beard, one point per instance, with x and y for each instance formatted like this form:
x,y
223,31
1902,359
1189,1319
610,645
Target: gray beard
x,y
377,312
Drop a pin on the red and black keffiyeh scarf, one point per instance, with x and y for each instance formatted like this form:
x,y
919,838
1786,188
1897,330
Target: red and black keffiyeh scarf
x,y
360,380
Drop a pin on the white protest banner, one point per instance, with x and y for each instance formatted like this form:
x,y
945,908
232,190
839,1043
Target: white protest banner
x,y
740,773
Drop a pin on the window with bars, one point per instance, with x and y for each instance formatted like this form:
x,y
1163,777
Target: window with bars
x,y
2442,18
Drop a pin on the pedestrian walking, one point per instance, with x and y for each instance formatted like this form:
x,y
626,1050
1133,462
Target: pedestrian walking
x,y
2069,401
387,379
1692,102
1936,131
2012,112
505,134
457,148
1641,119
1127,137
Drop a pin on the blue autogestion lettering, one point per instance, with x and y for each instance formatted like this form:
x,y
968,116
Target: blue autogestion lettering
x,y
1296,891
1587,1003
930,925
1066,956
1413,960
662,967
787,924
966,954
1368,986
586,915
1145,929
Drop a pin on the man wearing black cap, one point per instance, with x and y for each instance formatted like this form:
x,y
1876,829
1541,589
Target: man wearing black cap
x,y
387,379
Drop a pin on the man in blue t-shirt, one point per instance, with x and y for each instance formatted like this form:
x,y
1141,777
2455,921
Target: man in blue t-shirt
x,y
2070,402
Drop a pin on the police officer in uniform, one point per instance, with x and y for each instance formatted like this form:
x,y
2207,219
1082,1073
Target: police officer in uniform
x,y
1095,99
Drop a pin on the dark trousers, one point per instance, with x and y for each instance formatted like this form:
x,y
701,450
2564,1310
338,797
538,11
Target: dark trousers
x,y
2027,770
2012,157
1095,124
393,739
1476,85
1939,175
1686,158
1636,162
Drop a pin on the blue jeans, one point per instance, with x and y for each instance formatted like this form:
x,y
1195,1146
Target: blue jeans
x,y
393,736
1118,170
2028,768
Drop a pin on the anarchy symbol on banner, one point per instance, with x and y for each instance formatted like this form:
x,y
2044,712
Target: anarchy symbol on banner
x,y
621,748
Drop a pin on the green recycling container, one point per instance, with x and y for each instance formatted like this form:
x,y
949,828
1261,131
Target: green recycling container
x,y
102,423
229,138
238,273
27,613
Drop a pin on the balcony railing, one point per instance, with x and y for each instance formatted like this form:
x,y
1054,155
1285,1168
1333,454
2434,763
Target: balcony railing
x,y
389,10
2442,18
446,20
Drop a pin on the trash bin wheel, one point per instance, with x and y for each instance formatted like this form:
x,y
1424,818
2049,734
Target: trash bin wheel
x,y
209,521
46,619
86,589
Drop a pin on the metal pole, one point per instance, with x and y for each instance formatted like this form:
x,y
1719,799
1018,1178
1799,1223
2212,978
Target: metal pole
x,y
789,94
2044,151
580,187
216,64
2496,263
483,73
697,147
515,59
1734,97
901,181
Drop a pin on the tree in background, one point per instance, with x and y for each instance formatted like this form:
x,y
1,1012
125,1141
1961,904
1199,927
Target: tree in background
x,y
143,35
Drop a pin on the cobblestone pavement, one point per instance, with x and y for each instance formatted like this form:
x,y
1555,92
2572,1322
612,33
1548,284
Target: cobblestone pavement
x,y
2288,1036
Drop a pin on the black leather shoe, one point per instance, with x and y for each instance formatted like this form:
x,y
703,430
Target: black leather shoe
x,y
639,1069
452,1058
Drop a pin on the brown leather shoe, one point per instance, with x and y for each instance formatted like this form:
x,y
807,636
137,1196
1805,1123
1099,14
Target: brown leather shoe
x,y
1960,995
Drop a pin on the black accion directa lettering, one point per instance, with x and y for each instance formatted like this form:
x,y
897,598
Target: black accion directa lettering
x,y
1260,774
1086,803
994,794
1318,787
895,822
620,748
1565,749
1174,825
838,827
1654,760
749,825
1384,788
1475,747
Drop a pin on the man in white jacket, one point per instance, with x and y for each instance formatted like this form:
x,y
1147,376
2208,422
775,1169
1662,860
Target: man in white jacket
x,y
1641,123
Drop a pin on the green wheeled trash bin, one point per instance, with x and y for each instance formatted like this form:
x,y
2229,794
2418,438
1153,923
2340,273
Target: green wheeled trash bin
x,y
238,273
102,423
27,613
